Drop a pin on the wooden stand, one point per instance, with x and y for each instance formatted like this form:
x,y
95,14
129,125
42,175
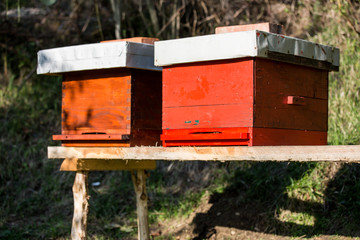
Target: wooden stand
x,y
82,166
138,159
139,180
81,206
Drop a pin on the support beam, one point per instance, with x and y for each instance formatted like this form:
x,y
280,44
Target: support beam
x,y
347,154
139,180
75,165
81,205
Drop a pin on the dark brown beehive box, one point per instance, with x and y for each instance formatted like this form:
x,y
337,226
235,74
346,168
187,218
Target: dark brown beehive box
x,y
111,93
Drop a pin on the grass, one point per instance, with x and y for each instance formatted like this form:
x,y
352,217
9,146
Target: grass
x,y
299,198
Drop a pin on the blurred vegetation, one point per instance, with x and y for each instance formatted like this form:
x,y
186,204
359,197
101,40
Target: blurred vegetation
x,y
297,199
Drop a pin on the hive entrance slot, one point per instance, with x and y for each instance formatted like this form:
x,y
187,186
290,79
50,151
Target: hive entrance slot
x,y
206,133
93,133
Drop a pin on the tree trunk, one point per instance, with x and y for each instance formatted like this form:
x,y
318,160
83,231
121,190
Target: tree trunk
x,y
116,8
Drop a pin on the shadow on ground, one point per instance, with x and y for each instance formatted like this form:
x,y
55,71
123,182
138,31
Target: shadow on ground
x,y
258,193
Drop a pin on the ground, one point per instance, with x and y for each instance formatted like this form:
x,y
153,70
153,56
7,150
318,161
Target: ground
x,y
223,218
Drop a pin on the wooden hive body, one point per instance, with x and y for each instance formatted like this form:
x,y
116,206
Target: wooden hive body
x,y
250,101
118,105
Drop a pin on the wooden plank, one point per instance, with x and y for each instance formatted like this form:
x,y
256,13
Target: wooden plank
x,y
74,164
340,153
266,27
146,40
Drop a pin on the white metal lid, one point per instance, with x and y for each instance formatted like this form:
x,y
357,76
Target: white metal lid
x,y
253,43
96,56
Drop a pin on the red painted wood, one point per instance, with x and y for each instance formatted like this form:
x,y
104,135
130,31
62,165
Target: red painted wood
x,y
180,143
208,83
276,137
219,116
205,133
205,137
281,103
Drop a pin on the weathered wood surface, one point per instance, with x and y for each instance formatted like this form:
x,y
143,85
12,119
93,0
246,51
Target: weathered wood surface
x,y
139,181
266,27
74,164
349,153
81,206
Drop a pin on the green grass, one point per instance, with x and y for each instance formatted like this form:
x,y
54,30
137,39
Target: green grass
x,y
298,198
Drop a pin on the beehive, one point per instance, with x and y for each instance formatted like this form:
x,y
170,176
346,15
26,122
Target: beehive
x,y
111,92
244,88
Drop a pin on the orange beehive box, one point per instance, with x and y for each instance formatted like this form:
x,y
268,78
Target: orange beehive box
x,y
111,93
244,88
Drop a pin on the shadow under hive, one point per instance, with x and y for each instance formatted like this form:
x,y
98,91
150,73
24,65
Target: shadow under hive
x,y
111,93
244,88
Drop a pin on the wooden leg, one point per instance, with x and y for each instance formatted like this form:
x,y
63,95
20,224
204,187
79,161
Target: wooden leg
x,y
139,181
80,192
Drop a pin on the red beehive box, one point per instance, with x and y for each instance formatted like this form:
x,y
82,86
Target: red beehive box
x,y
244,88
111,92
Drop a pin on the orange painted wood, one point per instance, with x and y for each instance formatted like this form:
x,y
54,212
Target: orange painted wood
x,y
208,83
267,27
94,143
135,39
107,137
276,137
96,101
116,107
275,81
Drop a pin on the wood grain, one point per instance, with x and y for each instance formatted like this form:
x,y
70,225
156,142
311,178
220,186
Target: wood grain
x,y
276,137
349,153
139,182
214,116
275,81
208,83
96,101
81,206
267,27
74,164
134,39
146,108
